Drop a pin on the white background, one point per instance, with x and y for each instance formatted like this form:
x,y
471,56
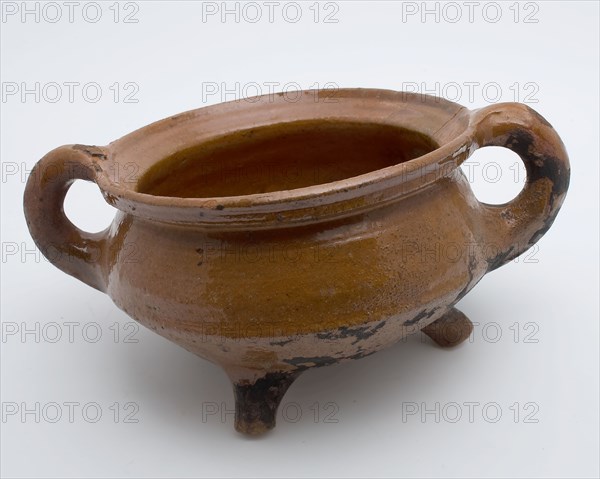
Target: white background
x,y
545,305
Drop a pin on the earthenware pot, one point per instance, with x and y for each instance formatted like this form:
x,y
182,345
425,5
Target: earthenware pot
x,y
283,232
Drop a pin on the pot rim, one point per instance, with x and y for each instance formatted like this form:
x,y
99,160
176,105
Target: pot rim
x,y
449,123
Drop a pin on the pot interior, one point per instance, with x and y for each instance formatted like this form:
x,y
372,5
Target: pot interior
x,y
282,156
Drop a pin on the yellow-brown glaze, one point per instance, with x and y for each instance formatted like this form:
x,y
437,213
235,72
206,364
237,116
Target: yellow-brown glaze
x,y
271,237
282,157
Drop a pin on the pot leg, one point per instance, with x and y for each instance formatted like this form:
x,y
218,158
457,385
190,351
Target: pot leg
x,y
256,403
450,330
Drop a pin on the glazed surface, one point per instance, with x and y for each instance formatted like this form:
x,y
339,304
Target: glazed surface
x,y
282,157
267,299
338,226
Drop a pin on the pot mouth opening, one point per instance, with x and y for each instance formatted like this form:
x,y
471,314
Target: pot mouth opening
x,y
282,157
266,162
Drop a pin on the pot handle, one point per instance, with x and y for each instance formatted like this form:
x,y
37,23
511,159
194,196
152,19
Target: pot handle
x,y
512,228
72,250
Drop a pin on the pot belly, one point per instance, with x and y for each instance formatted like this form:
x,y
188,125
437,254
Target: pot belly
x,y
299,297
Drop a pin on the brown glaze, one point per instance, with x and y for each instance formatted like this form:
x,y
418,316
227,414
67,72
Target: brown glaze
x,y
307,153
271,236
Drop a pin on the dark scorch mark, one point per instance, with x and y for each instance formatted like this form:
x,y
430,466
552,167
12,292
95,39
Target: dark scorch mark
x,y
426,313
359,333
